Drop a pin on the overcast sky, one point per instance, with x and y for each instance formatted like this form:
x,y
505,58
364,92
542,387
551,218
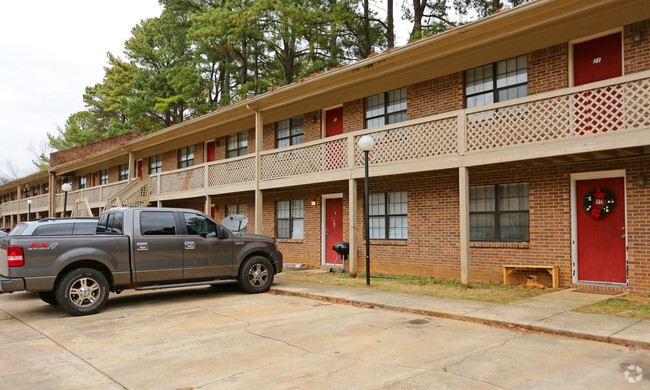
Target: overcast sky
x,y
50,50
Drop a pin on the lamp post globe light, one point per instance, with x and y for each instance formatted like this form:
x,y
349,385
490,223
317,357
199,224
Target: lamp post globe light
x,y
366,144
66,187
29,208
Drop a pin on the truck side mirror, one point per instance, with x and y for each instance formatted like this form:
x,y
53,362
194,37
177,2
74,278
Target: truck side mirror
x,y
223,234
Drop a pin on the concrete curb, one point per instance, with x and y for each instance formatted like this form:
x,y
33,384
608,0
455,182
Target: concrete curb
x,y
612,339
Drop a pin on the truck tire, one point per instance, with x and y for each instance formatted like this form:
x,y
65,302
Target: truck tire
x,y
256,275
82,291
48,297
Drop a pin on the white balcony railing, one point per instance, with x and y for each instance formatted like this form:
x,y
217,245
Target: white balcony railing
x,y
608,107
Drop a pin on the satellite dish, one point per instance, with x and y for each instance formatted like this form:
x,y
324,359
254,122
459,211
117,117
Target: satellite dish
x,y
235,222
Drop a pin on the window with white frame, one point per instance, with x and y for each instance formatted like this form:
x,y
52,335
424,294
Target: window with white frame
x,y
103,177
155,164
237,144
290,220
499,213
388,213
124,171
289,132
237,209
186,156
385,108
497,82
82,182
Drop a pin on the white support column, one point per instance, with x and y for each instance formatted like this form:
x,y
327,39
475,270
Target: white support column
x,y
207,205
352,225
463,195
259,201
131,166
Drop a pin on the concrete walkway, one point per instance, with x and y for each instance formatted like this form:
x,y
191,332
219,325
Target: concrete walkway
x,y
549,313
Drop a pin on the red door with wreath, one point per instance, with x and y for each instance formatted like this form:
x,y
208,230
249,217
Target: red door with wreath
x,y
601,230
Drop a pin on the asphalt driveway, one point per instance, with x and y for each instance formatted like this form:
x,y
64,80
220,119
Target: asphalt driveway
x,y
205,338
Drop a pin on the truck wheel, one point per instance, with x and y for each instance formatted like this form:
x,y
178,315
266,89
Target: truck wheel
x,y
256,275
82,291
48,297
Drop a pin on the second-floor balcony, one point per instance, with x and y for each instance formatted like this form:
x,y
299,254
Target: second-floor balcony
x,y
609,115
600,116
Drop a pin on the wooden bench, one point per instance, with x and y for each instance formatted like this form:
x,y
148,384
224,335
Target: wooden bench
x,y
554,270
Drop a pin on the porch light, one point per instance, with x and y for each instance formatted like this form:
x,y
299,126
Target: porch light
x,y
366,144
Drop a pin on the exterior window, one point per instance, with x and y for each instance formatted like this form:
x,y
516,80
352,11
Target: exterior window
x,y
186,156
103,177
237,209
82,182
385,108
289,132
499,213
498,82
388,216
35,191
46,188
290,219
110,223
155,164
237,144
124,172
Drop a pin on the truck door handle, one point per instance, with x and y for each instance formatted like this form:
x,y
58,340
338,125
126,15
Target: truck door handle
x,y
190,245
142,246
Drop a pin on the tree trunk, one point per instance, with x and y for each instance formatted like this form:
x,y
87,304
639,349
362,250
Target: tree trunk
x,y
418,13
390,33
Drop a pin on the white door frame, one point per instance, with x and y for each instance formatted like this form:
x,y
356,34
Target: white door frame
x,y
323,224
574,222
323,125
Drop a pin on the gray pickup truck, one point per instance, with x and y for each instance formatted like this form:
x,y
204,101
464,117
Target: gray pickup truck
x,y
136,248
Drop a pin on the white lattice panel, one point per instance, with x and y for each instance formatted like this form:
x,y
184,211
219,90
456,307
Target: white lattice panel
x,y
92,194
596,111
182,181
111,190
520,124
423,140
42,201
231,172
321,157
637,104
154,185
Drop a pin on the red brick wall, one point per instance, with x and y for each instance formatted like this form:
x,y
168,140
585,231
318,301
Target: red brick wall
x,y
436,96
65,156
312,126
353,116
307,250
636,55
548,69
268,141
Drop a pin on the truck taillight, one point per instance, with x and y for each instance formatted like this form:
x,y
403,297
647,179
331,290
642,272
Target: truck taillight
x,y
15,257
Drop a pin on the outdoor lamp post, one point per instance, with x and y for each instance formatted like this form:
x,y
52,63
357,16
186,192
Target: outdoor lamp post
x,y
66,187
366,144
29,208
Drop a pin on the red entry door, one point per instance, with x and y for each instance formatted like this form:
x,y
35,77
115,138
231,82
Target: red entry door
x,y
140,168
334,122
597,59
601,241
210,152
333,228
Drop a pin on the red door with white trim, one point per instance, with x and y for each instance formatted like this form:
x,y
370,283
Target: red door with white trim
x,y
333,228
601,234
140,168
334,122
211,149
597,59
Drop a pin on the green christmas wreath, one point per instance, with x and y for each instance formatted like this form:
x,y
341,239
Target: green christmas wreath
x,y
598,202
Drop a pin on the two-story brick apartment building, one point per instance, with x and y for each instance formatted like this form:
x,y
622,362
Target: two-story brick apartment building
x,y
522,138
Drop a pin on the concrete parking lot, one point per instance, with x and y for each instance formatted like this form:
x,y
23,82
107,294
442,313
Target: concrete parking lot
x,y
206,338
